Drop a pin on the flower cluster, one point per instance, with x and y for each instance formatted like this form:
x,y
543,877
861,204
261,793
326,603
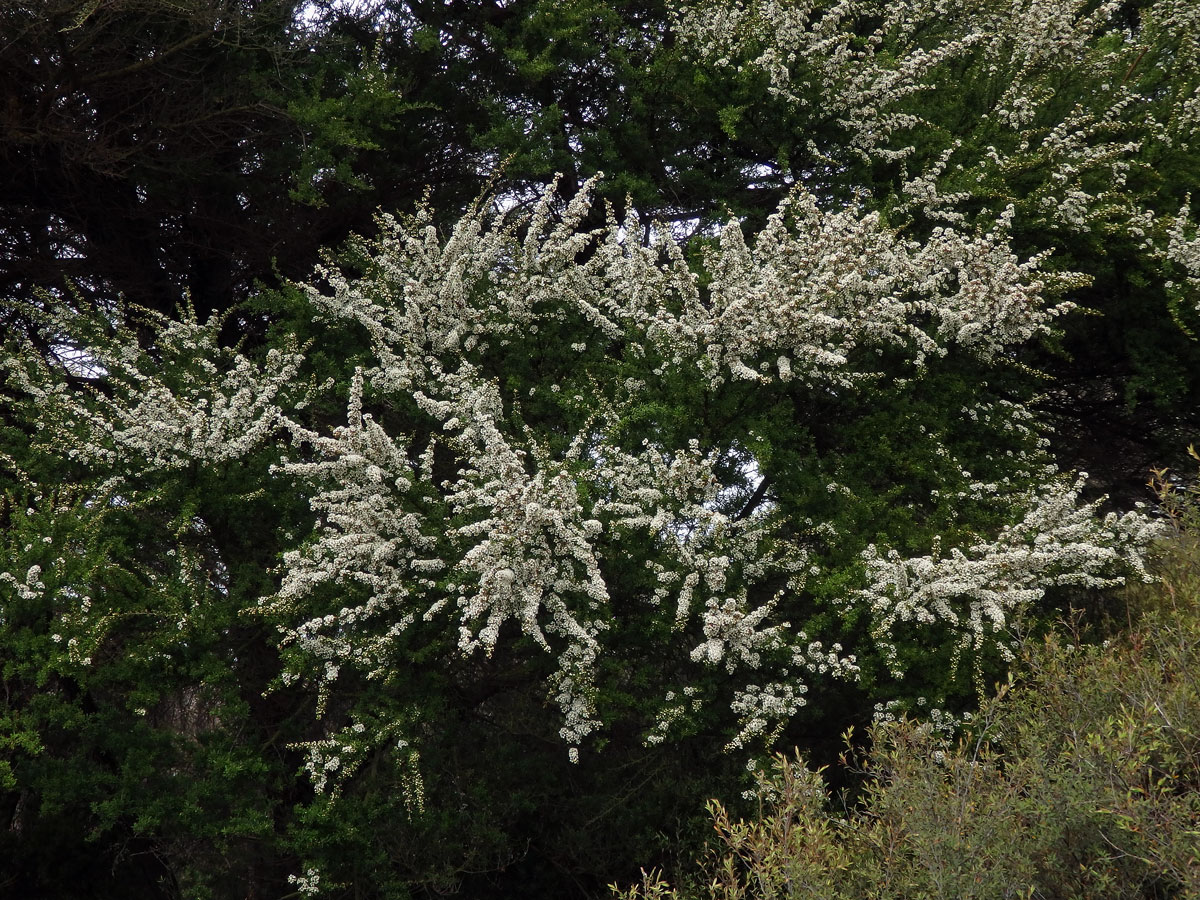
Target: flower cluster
x,y
816,58
186,399
31,587
817,286
1183,250
977,590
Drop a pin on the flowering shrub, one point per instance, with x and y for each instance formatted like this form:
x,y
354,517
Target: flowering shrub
x,y
474,508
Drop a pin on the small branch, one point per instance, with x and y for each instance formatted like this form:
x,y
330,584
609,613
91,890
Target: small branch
x,y
1134,66
755,499
149,61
